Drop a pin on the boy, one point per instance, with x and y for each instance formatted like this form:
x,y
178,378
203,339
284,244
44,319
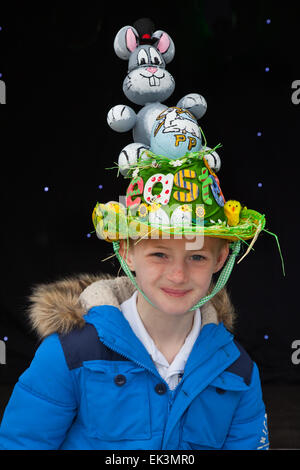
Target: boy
x,y
152,364
174,278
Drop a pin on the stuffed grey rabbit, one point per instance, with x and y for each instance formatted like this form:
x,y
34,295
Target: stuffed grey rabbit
x,y
147,83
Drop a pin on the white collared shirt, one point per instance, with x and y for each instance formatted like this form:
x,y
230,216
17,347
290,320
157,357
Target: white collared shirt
x,y
171,373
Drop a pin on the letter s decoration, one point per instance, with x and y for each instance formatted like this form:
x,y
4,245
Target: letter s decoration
x,y
193,190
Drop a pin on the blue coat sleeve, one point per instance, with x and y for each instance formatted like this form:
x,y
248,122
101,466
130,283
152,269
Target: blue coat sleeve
x,y
249,429
43,403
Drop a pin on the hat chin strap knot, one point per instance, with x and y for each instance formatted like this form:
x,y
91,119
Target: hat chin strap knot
x,y
222,279
236,246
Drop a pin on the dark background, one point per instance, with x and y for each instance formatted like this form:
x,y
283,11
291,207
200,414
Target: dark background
x,y
62,76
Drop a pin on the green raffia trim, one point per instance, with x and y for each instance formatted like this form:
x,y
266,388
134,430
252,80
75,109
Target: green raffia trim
x,y
162,161
126,225
278,246
165,163
223,277
244,230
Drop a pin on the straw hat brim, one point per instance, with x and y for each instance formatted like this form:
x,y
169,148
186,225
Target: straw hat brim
x,y
117,225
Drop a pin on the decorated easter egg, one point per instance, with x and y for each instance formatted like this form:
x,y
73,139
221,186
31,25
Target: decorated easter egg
x,y
175,132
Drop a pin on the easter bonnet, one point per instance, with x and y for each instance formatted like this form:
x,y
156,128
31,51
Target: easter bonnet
x,y
173,189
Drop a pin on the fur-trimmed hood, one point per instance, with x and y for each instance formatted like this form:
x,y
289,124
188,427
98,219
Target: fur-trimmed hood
x,y
59,306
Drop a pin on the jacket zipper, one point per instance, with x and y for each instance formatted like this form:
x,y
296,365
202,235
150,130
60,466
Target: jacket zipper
x,y
171,400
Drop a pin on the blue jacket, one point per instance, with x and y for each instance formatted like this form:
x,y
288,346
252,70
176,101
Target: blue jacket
x,y
96,387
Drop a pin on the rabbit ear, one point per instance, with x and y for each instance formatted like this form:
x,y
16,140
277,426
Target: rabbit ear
x,y
165,45
126,41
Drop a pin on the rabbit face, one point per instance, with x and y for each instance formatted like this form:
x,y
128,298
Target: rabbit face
x,y
147,80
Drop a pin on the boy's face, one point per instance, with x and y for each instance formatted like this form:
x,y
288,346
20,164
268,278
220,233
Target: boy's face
x,y
175,273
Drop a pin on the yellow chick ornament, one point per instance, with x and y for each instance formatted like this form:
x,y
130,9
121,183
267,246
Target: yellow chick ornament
x,y
232,211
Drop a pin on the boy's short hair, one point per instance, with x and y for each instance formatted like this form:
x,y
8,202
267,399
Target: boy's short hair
x,y
132,242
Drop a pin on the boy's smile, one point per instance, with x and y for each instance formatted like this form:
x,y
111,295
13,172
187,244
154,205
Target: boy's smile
x,y
175,292
173,276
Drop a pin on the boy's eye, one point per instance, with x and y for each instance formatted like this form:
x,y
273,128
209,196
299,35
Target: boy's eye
x,y
159,255
194,257
198,257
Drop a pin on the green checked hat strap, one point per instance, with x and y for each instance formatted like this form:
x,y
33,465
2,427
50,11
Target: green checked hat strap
x,y
126,269
223,277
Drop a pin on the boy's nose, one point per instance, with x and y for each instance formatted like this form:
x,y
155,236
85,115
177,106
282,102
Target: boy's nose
x,y
177,274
